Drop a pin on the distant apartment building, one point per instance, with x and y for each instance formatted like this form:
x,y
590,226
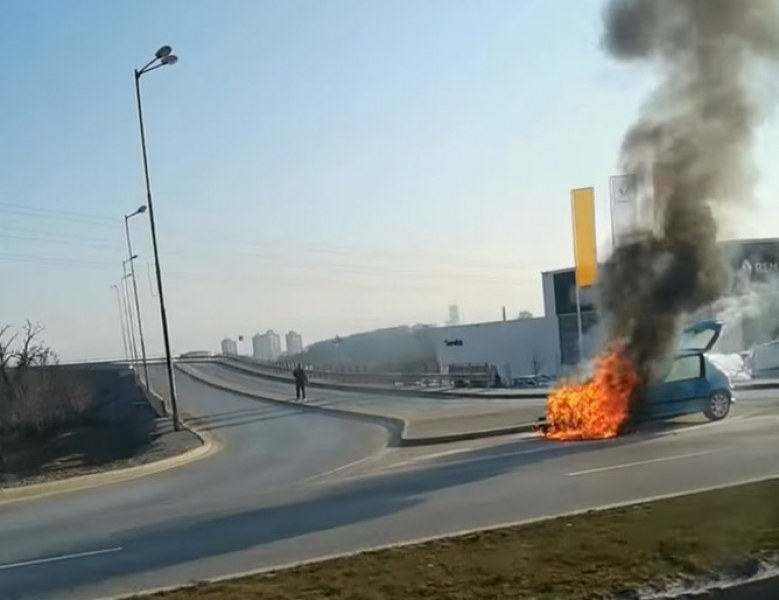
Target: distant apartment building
x,y
256,345
294,342
454,315
229,347
275,343
266,346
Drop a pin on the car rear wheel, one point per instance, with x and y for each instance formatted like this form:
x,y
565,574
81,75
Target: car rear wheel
x,y
719,405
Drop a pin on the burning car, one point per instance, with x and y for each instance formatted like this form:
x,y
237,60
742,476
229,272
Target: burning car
x,y
693,384
612,401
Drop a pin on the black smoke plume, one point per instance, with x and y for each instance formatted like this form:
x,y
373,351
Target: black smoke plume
x,y
690,153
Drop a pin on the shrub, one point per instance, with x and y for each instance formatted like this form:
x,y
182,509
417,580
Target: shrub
x,y
36,394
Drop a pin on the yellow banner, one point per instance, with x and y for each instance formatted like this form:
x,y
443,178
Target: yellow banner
x,y
585,253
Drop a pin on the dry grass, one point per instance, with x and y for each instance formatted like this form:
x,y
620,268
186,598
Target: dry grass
x,y
596,555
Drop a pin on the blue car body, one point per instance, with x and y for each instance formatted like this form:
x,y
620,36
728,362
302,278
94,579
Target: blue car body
x,y
692,383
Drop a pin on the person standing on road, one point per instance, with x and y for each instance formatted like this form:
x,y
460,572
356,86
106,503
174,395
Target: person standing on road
x,y
301,379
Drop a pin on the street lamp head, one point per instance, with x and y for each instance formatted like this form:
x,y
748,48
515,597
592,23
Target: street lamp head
x,y
161,58
141,209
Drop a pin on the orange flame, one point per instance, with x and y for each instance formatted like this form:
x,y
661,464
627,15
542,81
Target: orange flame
x,y
596,408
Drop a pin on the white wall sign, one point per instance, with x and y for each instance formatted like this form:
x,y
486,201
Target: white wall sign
x,y
623,193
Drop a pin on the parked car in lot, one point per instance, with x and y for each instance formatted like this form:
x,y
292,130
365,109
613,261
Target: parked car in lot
x,y
692,384
764,360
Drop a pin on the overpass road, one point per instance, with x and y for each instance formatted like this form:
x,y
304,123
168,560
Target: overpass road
x,y
339,398
292,485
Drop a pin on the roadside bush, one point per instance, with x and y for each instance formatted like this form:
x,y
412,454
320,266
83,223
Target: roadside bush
x,y
36,395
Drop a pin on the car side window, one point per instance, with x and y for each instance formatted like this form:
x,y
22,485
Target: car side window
x,y
685,367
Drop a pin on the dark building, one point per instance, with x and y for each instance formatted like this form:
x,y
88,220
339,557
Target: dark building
x,y
560,302
750,307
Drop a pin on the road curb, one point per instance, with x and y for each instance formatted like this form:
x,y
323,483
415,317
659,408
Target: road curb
x,y
523,395
755,386
210,445
396,427
466,435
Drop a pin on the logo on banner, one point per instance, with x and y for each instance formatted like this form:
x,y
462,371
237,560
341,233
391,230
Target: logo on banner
x,y
623,191
759,267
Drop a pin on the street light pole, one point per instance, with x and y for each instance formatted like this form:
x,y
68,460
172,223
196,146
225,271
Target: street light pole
x,y
129,309
162,57
127,218
121,322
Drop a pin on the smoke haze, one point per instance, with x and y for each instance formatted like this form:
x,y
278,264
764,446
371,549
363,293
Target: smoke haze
x,y
690,151
749,316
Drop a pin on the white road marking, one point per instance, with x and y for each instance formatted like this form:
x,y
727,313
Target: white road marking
x,y
467,461
646,462
354,463
422,457
51,559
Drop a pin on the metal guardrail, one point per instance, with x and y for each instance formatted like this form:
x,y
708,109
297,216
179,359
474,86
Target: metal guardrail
x,y
424,379
351,376
355,376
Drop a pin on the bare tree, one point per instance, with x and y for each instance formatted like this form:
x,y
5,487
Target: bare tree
x,y
31,352
6,352
35,393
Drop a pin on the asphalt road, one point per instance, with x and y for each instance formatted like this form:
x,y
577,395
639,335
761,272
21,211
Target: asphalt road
x,y
292,485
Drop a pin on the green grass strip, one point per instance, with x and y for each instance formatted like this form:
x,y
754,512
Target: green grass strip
x,y
592,555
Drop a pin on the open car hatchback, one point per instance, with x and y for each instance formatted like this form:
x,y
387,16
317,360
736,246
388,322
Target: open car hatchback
x,y
692,383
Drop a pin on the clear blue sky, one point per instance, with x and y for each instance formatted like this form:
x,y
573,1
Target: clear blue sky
x,y
320,166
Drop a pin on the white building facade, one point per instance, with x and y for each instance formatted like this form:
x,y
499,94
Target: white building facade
x,y
516,348
294,342
266,346
229,347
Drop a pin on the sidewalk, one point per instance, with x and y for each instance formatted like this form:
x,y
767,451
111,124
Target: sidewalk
x,y
409,426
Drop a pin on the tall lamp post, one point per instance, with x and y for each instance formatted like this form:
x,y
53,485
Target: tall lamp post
x,y
129,309
162,57
140,210
121,321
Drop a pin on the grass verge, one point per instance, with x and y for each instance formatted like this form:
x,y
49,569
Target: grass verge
x,y
593,555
